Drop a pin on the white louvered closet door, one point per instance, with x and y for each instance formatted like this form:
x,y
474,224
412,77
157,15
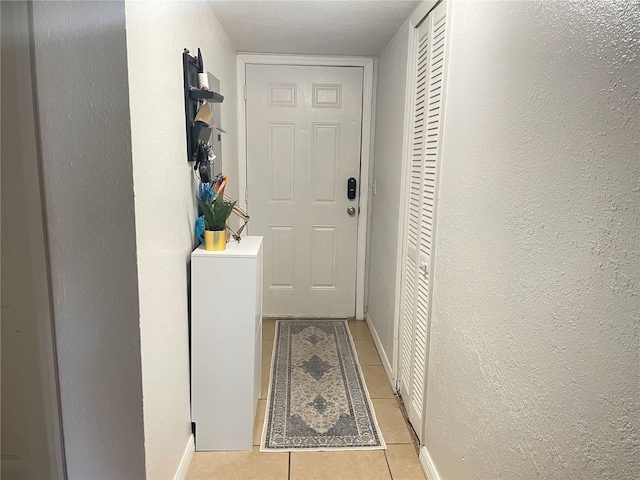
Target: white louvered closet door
x,y
428,97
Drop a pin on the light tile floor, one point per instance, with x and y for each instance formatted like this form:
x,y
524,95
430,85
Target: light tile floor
x,y
398,462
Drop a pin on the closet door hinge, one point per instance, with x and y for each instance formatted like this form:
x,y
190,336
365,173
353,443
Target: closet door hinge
x,y
246,198
244,89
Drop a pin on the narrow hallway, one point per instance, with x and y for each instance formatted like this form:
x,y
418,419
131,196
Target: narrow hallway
x,y
398,462
483,167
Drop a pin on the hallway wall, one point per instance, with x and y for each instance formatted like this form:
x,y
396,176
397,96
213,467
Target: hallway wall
x,y
165,206
82,89
385,204
534,355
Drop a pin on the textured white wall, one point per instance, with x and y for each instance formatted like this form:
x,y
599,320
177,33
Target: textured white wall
x,y
534,364
387,168
81,69
157,33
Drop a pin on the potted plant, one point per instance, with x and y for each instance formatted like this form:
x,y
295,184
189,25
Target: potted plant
x,y
215,222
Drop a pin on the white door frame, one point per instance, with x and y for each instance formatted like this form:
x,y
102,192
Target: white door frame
x,y
421,11
366,152
22,60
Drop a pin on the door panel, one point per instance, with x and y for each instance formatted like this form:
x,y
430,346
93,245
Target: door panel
x,y
323,257
414,303
304,129
326,141
280,239
428,94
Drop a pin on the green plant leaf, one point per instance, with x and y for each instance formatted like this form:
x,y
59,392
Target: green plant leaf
x,y
216,214
209,215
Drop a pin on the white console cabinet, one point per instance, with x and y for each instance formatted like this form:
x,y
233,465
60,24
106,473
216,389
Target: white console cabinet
x,y
226,339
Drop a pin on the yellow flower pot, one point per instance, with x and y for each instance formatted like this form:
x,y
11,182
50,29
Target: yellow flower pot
x,y
215,241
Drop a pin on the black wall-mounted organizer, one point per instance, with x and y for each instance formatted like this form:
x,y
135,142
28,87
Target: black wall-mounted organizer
x,y
193,95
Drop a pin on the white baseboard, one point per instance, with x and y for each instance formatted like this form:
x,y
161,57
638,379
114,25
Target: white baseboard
x,y
383,356
427,465
187,456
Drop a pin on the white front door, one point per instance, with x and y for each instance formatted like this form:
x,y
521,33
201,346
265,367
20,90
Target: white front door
x,y
304,129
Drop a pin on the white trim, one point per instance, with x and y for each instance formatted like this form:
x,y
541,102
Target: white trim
x,y
50,379
366,155
309,60
427,464
383,356
369,211
263,435
187,456
402,220
421,11
242,135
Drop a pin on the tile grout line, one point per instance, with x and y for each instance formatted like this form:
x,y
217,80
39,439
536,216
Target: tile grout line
x,y
386,459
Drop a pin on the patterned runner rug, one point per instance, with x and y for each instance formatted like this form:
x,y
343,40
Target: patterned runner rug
x,y
317,396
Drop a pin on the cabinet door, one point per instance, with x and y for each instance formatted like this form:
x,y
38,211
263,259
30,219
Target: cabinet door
x,y
428,98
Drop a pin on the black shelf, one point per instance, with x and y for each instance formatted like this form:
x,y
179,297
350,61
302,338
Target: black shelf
x,y
202,94
193,95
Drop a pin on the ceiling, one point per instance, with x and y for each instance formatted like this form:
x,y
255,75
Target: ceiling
x,y
328,27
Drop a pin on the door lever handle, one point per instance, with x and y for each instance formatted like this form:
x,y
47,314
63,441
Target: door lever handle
x,y
424,268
